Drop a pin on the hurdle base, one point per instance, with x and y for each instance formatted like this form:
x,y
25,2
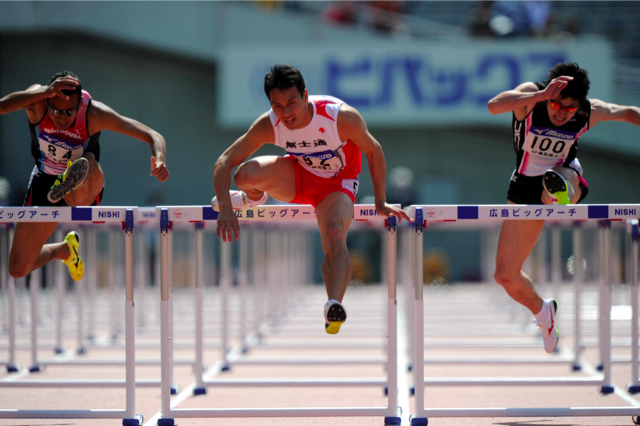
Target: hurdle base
x,y
199,391
600,367
225,367
58,351
174,390
633,389
606,390
12,368
136,421
419,421
393,420
34,369
166,422
576,367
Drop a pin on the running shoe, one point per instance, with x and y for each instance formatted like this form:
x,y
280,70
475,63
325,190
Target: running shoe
x,y
556,186
334,315
72,178
550,335
74,263
239,201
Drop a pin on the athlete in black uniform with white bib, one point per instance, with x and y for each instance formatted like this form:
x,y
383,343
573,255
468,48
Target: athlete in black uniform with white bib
x,y
548,119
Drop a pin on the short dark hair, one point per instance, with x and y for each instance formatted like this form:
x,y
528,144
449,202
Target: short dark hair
x,y
578,88
283,77
68,92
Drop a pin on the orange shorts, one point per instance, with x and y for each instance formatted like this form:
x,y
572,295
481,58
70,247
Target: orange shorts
x,y
312,189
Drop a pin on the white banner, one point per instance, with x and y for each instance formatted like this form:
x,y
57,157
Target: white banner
x,y
408,84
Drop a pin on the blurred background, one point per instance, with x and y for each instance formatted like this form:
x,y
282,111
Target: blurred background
x,y
420,73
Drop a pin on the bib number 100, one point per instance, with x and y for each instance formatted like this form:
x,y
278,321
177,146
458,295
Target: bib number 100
x,y
545,144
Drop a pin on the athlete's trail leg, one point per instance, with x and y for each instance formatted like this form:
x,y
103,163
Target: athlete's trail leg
x,y
335,213
28,251
517,240
271,174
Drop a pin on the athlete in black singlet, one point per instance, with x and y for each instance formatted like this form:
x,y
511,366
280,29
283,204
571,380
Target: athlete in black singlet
x,y
548,120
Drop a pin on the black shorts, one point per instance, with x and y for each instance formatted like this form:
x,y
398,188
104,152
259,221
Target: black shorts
x,y
528,189
39,187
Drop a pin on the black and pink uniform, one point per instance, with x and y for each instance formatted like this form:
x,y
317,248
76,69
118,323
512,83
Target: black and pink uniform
x,y
53,148
540,145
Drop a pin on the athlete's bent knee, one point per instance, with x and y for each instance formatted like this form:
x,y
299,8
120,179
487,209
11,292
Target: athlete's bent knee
x,y
333,237
503,278
18,269
246,174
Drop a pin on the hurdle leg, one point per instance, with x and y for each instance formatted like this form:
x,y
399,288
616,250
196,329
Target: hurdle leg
x,y
420,417
199,388
634,385
80,300
556,260
60,285
34,287
578,282
242,283
92,280
225,277
130,417
605,312
392,417
165,323
174,388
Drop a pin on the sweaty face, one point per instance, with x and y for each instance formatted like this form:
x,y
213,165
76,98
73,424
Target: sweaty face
x,y
290,107
63,112
562,110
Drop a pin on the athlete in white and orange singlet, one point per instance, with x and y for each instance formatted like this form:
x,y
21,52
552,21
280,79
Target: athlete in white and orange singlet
x,y
66,151
323,138
548,119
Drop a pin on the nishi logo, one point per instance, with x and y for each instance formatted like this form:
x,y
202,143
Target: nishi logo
x,y
625,212
109,214
368,212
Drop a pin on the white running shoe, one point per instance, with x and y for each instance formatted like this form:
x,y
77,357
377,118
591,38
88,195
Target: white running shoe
x,y
550,335
334,315
239,201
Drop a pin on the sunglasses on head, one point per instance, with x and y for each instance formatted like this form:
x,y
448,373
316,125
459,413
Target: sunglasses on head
x,y
559,107
58,112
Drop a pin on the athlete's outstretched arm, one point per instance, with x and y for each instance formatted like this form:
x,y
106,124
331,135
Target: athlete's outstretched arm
x,y
351,126
524,97
101,117
260,133
603,111
27,99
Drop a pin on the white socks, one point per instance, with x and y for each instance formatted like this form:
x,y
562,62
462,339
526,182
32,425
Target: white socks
x,y
252,203
544,316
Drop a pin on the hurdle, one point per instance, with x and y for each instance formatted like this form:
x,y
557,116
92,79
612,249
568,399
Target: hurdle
x,y
196,214
466,215
81,215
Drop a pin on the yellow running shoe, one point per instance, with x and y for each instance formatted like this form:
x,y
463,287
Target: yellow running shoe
x,y
334,316
74,263
557,186
72,178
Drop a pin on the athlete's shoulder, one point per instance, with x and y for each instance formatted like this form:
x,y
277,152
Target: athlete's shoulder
x,y
263,128
529,87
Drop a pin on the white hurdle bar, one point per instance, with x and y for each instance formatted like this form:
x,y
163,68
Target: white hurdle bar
x,y
605,213
125,216
288,213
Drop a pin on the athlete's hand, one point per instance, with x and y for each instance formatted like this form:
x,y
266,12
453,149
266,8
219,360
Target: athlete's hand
x,y
227,225
556,86
59,84
386,210
159,170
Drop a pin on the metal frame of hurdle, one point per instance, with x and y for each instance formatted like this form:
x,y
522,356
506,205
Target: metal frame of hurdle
x,y
197,214
120,215
467,215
